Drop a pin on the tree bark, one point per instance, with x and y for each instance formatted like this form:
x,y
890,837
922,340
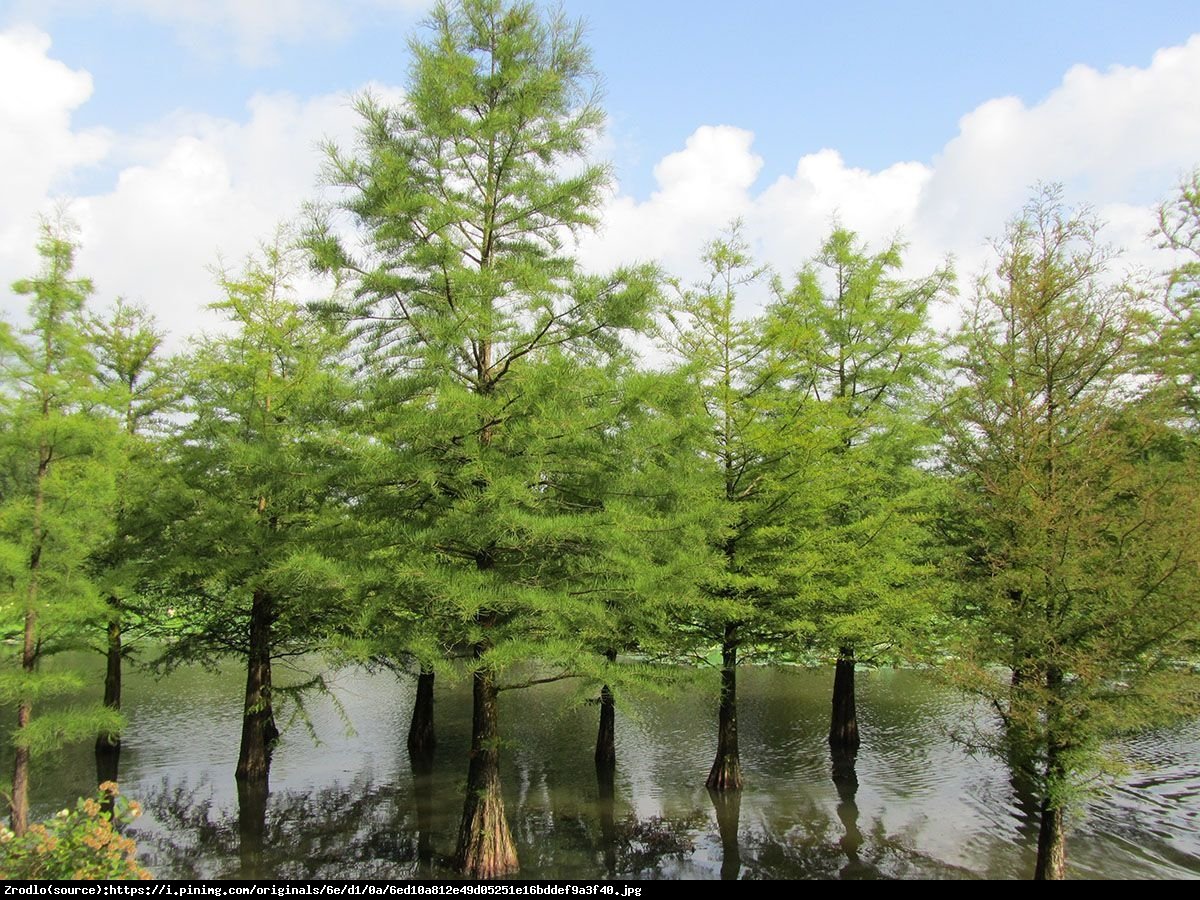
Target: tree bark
x,y
258,717
20,792
20,789
606,735
726,772
110,742
843,725
421,736
1052,844
485,845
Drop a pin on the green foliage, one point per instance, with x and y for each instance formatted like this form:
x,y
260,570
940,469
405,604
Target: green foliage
x,y
757,461
255,499
1178,348
493,363
1076,505
80,844
57,489
854,338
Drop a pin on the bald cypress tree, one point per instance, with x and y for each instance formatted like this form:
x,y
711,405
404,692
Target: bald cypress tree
x,y
1078,551
139,387
252,549
56,490
759,461
472,307
862,348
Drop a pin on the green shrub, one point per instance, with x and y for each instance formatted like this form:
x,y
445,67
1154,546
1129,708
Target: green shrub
x,y
79,844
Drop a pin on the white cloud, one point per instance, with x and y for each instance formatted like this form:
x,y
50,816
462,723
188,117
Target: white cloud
x,y
208,186
189,188
191,184
38,148
1118,140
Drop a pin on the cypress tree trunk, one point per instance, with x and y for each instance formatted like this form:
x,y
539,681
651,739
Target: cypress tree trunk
x,y
485,845
606,736
421,736
20,788
1052,844
258,717
1052,836
20,792
110,743
843,725
726,772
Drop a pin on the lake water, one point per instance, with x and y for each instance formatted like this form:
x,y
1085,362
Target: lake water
x,y
914,804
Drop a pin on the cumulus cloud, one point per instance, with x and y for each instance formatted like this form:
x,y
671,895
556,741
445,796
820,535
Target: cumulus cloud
x,y
191,185
1117,139
208,187
38,147
189,188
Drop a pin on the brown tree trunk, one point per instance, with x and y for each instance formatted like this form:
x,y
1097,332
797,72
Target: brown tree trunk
x,y
110,742
485,845
843,724
606,735
421,736
1052,845
20,791
258,717
726,772
20,786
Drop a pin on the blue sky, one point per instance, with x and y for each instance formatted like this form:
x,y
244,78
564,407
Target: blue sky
x,y
937,116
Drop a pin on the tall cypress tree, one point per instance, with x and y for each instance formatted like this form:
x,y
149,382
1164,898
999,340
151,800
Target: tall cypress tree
x,y
480,319
758,459
139,388
1078,549
253,552
864,350
56,490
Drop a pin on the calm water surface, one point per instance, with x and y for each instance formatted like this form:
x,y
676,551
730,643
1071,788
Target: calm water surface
x,y
913,803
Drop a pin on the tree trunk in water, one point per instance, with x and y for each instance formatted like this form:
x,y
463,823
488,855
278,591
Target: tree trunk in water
x,y
843,725
485,845
421,737
728,805
1052,842
606,736
726,772
109,743
258,717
